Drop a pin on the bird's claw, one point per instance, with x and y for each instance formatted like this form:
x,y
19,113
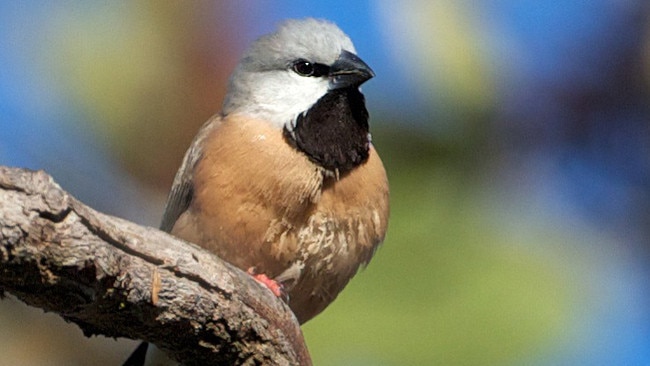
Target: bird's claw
x,y
276,288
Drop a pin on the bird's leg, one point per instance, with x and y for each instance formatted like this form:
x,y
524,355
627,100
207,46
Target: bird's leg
x,y
271,284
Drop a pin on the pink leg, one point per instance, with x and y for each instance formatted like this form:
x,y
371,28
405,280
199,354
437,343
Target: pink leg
x,y
271,284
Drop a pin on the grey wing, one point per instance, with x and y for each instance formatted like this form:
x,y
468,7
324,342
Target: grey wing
x,y
178,201
182,192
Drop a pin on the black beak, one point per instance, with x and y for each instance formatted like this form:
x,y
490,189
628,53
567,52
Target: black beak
x,y
349,70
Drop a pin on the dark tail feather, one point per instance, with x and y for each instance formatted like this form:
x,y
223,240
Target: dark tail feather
x,y
138,356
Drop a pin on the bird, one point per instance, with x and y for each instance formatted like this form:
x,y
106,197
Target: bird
x,y
285,182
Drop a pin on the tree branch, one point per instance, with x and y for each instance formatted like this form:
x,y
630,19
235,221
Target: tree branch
x,y
115,278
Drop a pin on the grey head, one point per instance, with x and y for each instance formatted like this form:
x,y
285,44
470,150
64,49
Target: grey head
x,y
285,73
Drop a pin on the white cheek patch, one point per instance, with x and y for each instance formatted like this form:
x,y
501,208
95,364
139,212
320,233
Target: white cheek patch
x,y
281,98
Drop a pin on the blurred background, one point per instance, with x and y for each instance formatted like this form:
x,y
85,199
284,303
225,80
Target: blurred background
x,y
516,136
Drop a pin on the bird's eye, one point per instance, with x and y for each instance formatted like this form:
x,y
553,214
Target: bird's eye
x,y
303,68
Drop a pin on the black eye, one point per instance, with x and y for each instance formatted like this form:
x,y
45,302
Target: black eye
x,y
303,68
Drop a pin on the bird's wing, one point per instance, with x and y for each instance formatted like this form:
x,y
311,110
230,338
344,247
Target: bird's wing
x,y
182,191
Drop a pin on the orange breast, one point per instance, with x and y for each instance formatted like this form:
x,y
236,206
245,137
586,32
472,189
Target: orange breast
x,y
260,203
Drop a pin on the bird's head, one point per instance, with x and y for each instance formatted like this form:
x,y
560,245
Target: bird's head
x,y
283,74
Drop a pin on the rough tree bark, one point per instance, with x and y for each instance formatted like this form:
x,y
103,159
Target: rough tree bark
x,y
115,278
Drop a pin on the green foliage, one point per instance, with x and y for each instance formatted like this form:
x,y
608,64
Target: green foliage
x,y
449,286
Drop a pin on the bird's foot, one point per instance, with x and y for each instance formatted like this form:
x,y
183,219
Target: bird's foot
x,y
271,284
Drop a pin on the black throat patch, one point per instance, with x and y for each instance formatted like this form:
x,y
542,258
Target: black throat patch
x,y
333,133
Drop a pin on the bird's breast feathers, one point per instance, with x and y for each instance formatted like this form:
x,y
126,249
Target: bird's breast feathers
x,y
264,204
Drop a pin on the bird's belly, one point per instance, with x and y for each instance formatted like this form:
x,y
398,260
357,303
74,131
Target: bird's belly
x,y
329,249
313,254
324,244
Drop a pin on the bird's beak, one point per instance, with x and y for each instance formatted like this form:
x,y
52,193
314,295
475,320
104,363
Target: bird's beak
x,y
349,70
